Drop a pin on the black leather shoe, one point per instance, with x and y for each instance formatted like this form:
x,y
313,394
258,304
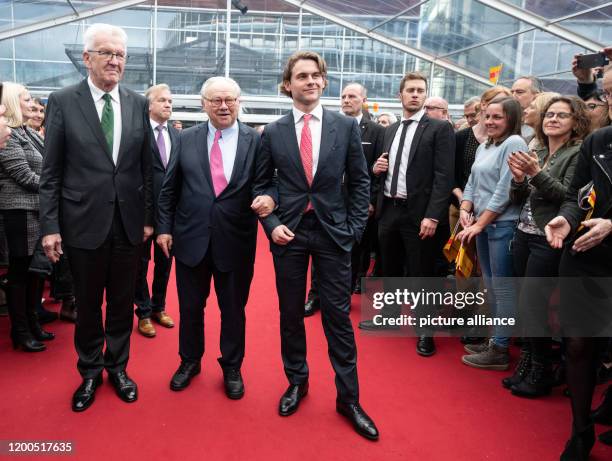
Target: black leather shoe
x,y
312,305
369,325
86,393
290,400
426,346
182,377
603,413
360,420
124,387
579,446
234,386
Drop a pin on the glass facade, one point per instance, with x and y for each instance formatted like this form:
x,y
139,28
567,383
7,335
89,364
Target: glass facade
x,y
182,43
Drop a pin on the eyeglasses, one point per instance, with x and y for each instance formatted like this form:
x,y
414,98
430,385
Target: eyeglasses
x,y
593,106
109,55
218,102
559,115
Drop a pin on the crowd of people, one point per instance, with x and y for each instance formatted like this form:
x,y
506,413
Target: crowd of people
x,y
99,178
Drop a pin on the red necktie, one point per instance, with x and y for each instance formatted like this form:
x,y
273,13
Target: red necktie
x,y
216,166
306,153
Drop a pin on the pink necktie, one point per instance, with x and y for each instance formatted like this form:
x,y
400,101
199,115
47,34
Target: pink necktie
x,y
216,166
306,153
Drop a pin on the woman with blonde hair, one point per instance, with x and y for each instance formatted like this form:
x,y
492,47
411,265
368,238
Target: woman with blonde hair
x,y
20,168
532,117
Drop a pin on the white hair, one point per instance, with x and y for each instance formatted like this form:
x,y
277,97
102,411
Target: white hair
x,y
214,80
153,90
89,37
362,89
391,115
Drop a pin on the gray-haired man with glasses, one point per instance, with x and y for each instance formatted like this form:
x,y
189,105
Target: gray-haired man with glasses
x,y
96,203
204,216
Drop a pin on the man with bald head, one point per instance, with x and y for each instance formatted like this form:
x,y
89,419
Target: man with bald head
x,y
436,107
353,100
204,215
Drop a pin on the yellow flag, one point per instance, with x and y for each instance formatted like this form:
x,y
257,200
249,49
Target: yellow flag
x,y
494,74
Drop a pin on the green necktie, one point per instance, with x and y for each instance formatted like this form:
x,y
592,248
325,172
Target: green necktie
x,y
108,122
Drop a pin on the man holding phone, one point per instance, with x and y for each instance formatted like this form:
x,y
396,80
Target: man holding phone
x,y
587,76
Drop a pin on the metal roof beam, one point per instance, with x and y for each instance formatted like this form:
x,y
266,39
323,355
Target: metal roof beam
x,y
542,24
395,16
389,42
28,29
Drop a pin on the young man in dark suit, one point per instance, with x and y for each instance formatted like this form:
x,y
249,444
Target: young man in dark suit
x,y
312,149
415,178
96,202
204,215
164,144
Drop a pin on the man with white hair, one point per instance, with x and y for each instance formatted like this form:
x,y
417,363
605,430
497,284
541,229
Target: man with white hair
x,y
204,216
96,203
436,107
164,143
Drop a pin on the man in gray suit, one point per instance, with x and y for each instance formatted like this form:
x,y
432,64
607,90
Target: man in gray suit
x,y
96,203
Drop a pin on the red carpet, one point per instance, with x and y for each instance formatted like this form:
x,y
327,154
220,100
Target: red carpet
x,y
425,409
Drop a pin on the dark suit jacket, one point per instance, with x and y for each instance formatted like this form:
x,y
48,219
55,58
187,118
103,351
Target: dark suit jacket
x,y
80,185
341,156
372,142
159,170
189,210
431,169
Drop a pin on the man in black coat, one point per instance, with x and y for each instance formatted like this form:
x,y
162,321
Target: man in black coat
x,y
415,178
204,216
312,150
96,203
164,145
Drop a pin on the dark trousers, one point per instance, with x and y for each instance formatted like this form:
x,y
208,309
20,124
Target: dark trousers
x,y
155,301
403,252
111,267
232,289
534,257
333,268
360,256
23,289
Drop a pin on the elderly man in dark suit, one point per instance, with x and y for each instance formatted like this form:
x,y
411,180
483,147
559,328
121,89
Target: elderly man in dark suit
x,y
164,143
415,178
96,203
204,215
312,150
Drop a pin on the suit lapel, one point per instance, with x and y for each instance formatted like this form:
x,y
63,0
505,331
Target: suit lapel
x,y
125,100
287,129
389,137
244,144
328,139
88,108
202,140
417,138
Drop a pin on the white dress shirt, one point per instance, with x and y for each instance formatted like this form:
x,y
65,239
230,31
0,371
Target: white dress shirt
x,y
165,134
315,131
97,95
401,179
359,118
228,144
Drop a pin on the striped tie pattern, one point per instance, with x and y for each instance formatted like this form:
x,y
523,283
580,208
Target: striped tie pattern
x,y
306,152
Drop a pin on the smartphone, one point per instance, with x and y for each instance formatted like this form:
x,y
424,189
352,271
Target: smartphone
x,y
1,88
588,61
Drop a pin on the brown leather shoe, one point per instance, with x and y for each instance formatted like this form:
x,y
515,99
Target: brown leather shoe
x,y
163,319
146,328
